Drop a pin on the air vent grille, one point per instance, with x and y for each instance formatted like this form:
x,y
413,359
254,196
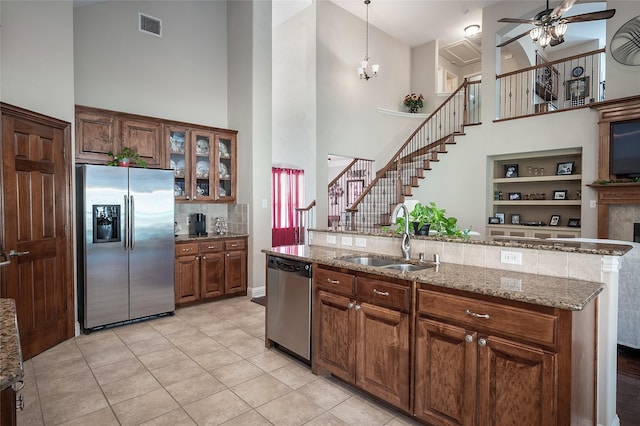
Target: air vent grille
x,y
149,24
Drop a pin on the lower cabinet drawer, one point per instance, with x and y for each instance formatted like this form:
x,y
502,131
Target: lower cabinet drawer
x,y
384,293
479,315
338,282
231,245
187,249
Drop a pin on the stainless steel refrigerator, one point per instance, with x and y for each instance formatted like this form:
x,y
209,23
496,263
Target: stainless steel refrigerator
x,y
125,219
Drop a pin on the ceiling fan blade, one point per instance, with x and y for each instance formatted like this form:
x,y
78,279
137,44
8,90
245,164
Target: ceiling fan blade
x,y
520,21
513,39
562,8
593,16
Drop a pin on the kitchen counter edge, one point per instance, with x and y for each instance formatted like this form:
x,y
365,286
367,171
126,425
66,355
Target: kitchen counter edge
x,y
11,368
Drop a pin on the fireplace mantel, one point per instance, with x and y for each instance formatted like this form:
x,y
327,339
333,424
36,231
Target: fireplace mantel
x,y
613,193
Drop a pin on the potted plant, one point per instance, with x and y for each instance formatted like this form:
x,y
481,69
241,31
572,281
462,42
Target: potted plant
x,y
414,102
126,157
431,217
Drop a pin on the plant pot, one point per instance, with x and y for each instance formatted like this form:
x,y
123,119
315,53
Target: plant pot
x,y
414,110
424,230
123,162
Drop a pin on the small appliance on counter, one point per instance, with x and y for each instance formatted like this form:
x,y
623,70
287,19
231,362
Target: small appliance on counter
x,y
198,225
221,226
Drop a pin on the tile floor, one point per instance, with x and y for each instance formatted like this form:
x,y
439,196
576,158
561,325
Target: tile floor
x,y
207,365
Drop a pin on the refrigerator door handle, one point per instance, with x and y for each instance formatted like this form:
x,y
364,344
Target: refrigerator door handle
x,y
126,224
132,223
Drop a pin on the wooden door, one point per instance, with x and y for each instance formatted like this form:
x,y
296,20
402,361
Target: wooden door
x,y
334,335
235,272
212,267
446,366
382,353
187,280
37,226
517,384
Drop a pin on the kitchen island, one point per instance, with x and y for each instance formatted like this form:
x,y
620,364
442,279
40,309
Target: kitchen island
x,y
11,369
559,287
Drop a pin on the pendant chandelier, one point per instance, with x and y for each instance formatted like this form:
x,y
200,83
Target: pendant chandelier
x,y
365,72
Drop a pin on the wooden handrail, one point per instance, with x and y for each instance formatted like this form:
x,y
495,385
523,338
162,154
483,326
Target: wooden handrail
x,y
306,209
546,64
354,161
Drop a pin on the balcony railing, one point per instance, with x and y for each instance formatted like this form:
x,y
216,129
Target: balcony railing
x,y
346,188
568,83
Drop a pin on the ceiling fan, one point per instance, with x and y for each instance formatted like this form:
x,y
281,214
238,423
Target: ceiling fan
x,y
550,26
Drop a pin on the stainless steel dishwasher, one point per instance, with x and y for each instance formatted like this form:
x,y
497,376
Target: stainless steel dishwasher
x,y
289,305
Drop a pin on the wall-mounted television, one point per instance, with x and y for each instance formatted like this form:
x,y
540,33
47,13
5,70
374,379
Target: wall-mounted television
x,y
625,149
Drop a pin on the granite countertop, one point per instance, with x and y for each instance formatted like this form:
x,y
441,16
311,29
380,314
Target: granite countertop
x,y
10,353
211,236
563,293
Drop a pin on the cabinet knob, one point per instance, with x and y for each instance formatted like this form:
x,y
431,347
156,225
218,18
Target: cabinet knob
x,y
350,305
482,342
468,338
358,307
188,198
203,257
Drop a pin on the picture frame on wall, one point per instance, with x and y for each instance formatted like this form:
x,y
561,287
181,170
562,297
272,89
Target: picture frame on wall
x,y
577,88
573,223
565,168
500,216
560,195
515,219
555,220
510,170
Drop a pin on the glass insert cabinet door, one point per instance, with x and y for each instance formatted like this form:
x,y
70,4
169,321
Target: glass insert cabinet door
x,y
202,171
226,151
178,162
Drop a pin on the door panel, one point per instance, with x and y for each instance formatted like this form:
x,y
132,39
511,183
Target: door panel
x,y
36,221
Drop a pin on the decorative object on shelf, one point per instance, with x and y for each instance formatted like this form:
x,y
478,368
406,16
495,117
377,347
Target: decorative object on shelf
x,y
573,223
224,173
202,147
363,70
565,168
555,220
515,219
625,44
500,217
494,220
515,196
577,71
577,89
414,102
202,169
178,189
221,226
179,170
126,157
579,194
224,151
223,192
177,142
560,195
510,170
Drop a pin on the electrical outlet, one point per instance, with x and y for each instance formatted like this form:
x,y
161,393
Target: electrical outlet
x,y
361,242
346,241
331,239
592,204
510,257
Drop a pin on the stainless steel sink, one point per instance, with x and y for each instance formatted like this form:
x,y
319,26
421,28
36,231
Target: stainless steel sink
x,y
381,262
369,260
407,267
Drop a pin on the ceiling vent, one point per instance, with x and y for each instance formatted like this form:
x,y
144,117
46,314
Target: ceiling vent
x,y
149,24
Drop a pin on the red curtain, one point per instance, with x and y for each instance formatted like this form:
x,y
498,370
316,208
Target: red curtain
x,y
287,194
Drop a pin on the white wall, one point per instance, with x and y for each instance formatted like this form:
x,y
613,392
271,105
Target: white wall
x,y
181,76
424,67
294,94
36,64
622,80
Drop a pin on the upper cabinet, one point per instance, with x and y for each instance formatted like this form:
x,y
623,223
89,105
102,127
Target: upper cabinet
x,y
100,131
204,164
203,158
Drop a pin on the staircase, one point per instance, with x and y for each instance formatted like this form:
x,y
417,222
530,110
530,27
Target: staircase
x,y
409,165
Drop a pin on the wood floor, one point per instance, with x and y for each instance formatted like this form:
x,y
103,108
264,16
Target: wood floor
x,y
628,398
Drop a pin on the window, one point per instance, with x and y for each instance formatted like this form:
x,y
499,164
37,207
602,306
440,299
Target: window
x,y
287,194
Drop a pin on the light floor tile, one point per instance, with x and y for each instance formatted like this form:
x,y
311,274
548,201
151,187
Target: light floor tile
x,y
103,417
173,418
72,406
260,390
173,373
290,409
151,345
195,388
118,370
130,387
326,419
270,360
238,372
51,390
324,393
201,346
217,359
108,356
144,407
217,408
161,358
358,411
250,418
294,375
61,370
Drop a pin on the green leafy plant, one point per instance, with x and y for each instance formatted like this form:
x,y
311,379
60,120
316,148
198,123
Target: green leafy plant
x,y
435,217
126,154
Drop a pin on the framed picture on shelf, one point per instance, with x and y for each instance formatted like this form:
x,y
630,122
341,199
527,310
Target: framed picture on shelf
x,y
354,190
574,223
514,196
510,170
565,168
500,217
555,220
577,89
494,221
560,195
515,219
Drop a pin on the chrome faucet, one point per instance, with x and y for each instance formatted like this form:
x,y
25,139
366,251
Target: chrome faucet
x,y
406,239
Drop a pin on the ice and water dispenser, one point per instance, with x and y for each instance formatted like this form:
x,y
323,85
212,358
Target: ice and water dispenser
x,y
106,223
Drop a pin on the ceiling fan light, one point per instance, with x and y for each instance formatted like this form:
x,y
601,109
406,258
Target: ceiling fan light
x,y
545,39
535,33
560,30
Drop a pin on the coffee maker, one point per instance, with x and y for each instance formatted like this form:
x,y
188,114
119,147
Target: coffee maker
x,y
198,225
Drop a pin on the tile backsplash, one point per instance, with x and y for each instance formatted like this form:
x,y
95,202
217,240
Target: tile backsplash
x,y
236,216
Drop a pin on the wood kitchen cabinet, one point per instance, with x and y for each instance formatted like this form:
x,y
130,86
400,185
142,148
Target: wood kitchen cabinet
x,y
482,362
204,163
99,131
361,333
210,269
